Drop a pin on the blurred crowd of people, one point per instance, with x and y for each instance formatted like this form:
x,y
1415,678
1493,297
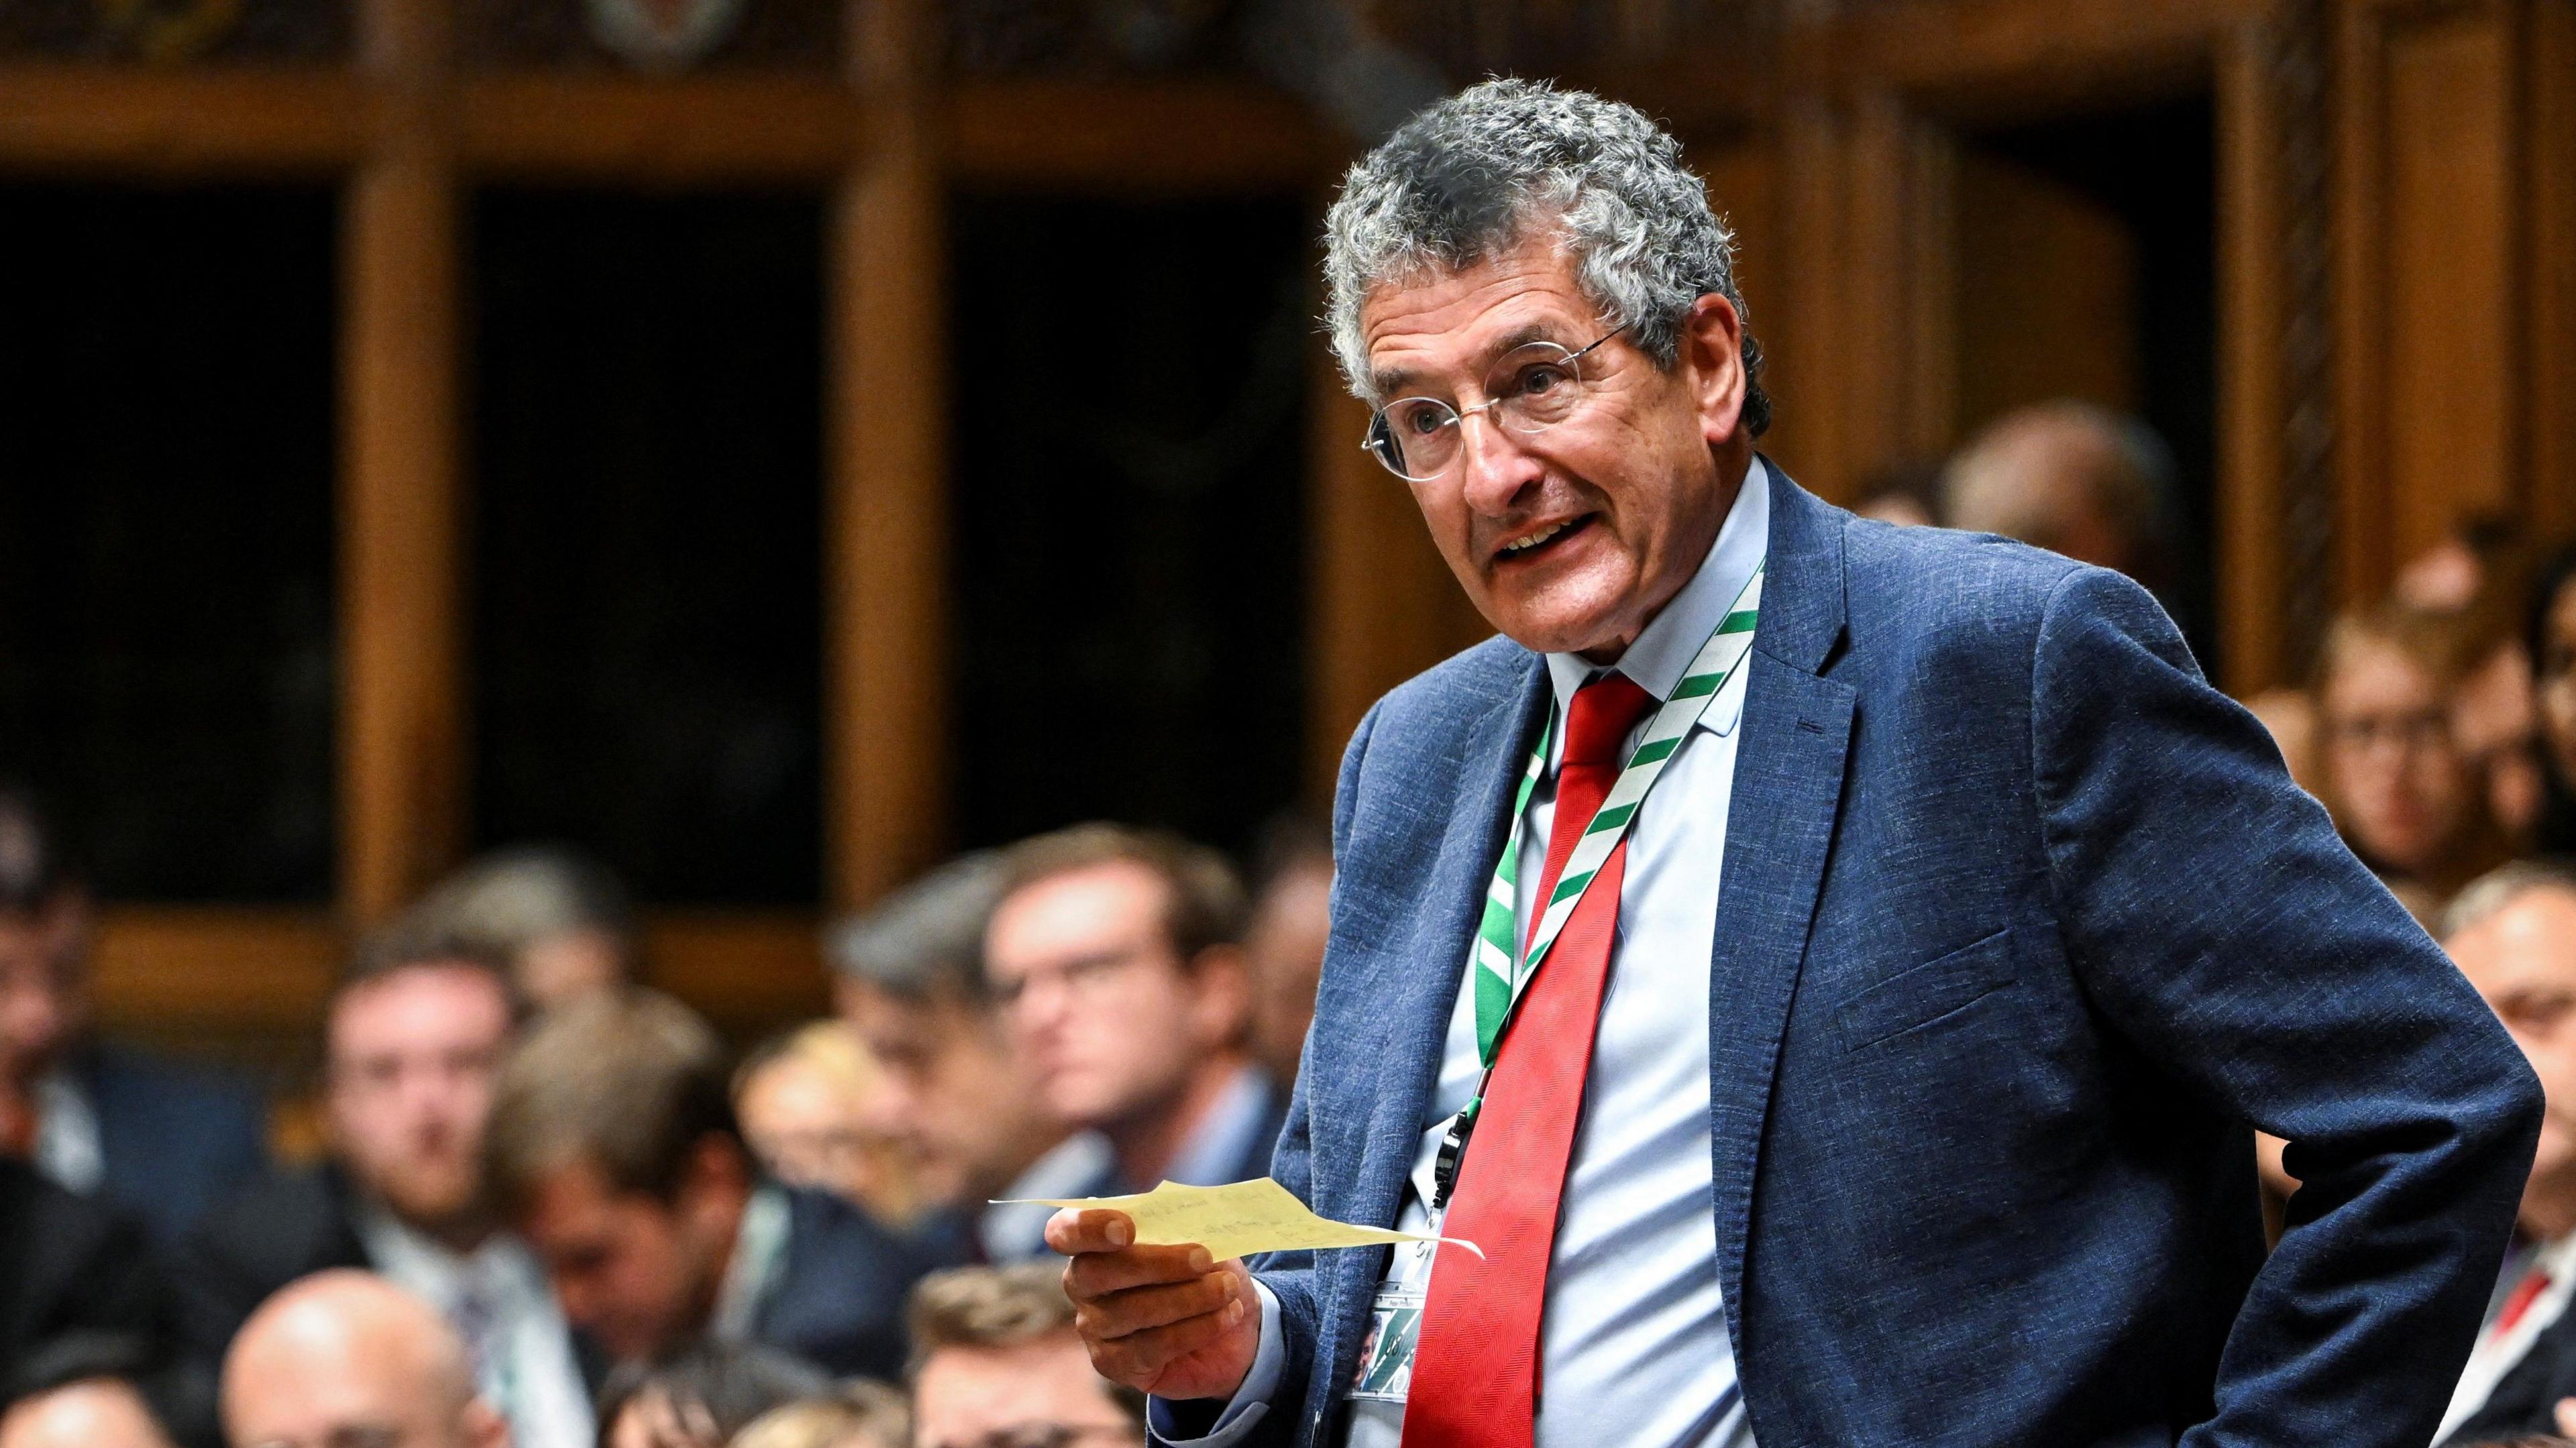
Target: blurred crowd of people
x,y
551,1208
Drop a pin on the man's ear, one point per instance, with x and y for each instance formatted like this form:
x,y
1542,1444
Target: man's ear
x,y
715,1181
1711,343
1220,996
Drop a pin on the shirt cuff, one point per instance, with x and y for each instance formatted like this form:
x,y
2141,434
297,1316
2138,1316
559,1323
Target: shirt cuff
x,y
1170,1422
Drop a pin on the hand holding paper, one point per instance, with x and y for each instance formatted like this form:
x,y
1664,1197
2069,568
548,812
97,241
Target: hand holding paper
x,y
1237,1220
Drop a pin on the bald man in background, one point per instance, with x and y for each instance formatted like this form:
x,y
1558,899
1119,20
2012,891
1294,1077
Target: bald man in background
x,y
345,1356
2073,478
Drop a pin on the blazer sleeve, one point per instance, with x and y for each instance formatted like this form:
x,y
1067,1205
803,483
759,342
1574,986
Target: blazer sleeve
x,y
1290,1276
2213,916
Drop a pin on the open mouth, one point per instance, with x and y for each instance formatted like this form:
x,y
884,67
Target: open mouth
x,y
1540,541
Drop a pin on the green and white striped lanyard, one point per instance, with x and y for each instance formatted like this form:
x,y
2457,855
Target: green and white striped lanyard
x,y
1499,985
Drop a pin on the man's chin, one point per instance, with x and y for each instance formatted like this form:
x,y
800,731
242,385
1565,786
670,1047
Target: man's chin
x,y
1560,616
431,1209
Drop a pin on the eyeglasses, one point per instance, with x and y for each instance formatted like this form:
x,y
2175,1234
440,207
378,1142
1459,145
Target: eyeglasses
x,y
1083,977
1417,438
2419,731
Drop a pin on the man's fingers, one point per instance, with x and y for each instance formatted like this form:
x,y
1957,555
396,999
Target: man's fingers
x,y
1141,1309
1097,1274
1139,1358
1076,1230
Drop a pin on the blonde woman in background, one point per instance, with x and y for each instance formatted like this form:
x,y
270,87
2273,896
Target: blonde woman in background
x,y
802,1099
2389,763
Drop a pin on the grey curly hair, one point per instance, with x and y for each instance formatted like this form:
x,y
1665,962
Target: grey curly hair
x,y
1477,174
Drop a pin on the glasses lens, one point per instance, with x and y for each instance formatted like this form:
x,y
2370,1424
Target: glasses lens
x,y
1416,437
1540,387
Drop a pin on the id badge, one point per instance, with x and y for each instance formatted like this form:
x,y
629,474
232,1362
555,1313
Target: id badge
x,y
1386,1354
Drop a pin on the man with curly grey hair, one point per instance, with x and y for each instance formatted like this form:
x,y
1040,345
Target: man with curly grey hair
x,y
1829,969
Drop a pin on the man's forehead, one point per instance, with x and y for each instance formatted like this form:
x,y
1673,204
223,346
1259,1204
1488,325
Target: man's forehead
x,y
2529,940
1450,319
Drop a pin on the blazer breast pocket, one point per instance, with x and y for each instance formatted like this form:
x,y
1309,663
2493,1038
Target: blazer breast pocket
x,y
1922,994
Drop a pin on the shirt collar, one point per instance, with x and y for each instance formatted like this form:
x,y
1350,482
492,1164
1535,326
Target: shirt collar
x,y
1672,638
1223,1139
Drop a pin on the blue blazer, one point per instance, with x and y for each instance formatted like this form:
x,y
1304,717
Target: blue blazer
x,y
2023,924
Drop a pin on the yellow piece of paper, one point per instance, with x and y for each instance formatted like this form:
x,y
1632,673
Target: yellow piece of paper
x,y
1238,1220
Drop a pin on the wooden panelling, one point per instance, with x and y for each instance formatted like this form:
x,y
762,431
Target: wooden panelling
x,y
1983,58
2046,296
2549,321
177,971
1807,433
1746,187
2447,286
2429,366
402,685
749,972
2252,411
1167,136
886,559
402,708
729,127
251,984
1867,374
126,119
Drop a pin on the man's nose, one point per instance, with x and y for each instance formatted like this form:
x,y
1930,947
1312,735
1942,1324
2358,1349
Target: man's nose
x,y
1493,468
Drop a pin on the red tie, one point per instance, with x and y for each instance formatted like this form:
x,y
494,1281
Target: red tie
x,y
2525,1293
1475,1370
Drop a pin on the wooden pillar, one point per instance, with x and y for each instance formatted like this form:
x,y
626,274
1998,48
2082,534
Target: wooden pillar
x,y
2549,321
2251,509
2434,277
1871,369
1811,435
886,532
402,769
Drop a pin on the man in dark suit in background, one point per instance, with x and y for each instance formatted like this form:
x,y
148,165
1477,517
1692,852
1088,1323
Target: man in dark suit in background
x,y
1869,946
69,1270
157,1141
613,1148
412,1040
1116,960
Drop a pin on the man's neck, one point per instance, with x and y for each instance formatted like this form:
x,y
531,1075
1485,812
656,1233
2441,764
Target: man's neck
x,y
1148,1142
1611,652
1037,1136
460,1233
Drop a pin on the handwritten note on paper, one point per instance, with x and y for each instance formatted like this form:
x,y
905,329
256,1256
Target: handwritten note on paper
x,y
1238,1220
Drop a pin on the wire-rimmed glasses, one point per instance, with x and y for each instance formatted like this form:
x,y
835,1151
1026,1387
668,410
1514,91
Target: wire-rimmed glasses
x,y
1417,438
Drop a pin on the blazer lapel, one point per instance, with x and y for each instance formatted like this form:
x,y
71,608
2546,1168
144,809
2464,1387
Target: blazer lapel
x,y
1788,791
1421,976
1410,980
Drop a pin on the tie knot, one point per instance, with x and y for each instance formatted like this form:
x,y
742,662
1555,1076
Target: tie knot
x,y
1601,715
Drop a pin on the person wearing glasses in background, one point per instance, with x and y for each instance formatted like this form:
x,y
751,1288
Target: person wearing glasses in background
x,y
2390,767
1828,967
1117,964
